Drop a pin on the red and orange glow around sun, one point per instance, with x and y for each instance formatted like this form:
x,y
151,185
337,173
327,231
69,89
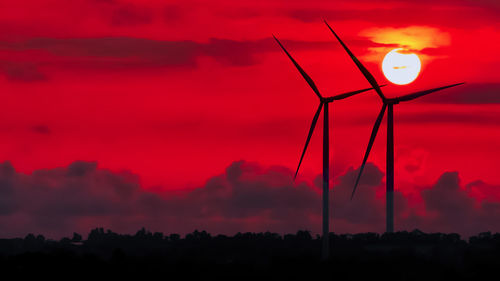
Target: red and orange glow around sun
x,y
402,65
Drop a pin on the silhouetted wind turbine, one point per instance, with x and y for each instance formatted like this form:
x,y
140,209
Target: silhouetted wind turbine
x,y
322,102
387,103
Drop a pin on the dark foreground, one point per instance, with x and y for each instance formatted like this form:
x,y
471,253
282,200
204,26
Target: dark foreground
x,y
253,256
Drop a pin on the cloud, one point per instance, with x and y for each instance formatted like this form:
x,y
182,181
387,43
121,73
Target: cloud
x,y
246,197
411,37
21,72
470,93
426,116
131,53
452,207
135,52
41,129
129,14
467,15
54,201
445,199
120,14
168,53
250,196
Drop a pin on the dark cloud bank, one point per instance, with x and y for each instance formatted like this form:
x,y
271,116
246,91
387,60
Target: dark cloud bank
x,y
247,197
133,54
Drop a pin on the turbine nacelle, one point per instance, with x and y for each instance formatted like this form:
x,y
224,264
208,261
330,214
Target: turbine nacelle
x,y
346,95
391,101
418,94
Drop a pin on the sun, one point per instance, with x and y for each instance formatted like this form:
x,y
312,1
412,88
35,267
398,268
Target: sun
x,y
400,67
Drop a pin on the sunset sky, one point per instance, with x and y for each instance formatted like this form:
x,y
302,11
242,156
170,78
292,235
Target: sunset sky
x,y
183,115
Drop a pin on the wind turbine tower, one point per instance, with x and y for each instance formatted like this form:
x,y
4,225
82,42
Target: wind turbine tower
x,y
388,103
323,102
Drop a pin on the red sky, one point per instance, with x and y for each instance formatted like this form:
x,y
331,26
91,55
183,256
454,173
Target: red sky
x,y
174,92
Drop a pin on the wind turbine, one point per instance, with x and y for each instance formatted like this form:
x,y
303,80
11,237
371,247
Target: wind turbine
x,y
323,101
389,104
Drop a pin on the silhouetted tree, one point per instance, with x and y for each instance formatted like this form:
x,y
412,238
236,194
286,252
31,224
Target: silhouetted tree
x,y
65,240
413,255
40,238
304,235
158,236
174,237
76,237
30,237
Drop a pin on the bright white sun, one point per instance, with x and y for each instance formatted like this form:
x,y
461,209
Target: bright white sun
x,y
400,67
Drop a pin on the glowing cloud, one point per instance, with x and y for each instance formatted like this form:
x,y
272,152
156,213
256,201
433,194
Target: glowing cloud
x,y
412,37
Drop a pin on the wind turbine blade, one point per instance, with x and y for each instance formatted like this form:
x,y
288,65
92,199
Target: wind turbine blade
x,y
370,144
361,67
349,94
313,124
415,95
302,72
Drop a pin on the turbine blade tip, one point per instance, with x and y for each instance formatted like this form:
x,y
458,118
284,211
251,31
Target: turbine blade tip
x,y
354,191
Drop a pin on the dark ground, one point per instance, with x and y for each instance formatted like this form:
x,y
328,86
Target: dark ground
x,y
253,256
